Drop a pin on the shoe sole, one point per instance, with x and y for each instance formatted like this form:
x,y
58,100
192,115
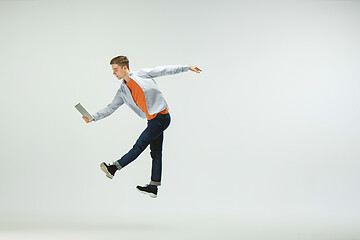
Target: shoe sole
x,y
147,193
104,169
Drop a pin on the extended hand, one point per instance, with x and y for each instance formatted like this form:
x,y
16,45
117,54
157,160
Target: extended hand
x,y
86,119
195,69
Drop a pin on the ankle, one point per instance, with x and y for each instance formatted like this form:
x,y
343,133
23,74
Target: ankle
x,y
153,186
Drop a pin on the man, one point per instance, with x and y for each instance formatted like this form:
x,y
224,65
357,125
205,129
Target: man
x,y
140,92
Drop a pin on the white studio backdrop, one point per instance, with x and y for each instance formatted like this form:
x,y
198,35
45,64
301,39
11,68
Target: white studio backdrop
x,y
268,132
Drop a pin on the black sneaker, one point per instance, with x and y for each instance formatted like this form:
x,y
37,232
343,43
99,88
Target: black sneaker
x,y
152,192
109,170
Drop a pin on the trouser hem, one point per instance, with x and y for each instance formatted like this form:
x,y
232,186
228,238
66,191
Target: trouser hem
x,y
117,164
155,183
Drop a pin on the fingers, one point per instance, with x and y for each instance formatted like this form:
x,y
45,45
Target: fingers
x,y
198,70
195,69
85,119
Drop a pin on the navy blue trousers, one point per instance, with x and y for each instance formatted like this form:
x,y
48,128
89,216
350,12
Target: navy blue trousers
x,y
153,135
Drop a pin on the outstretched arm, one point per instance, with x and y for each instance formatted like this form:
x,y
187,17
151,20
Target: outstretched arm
x,y
110,108
165,70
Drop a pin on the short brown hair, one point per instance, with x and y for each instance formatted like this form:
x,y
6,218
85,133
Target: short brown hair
x,y
121,61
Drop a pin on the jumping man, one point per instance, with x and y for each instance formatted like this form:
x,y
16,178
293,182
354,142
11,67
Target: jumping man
x,y
140,92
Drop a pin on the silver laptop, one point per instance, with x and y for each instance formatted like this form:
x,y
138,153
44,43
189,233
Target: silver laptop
x,y
83,111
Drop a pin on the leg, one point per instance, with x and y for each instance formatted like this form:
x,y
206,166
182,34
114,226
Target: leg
x,y
156,155
147,136
154,129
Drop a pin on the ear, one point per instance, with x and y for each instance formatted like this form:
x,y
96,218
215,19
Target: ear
x,y
125,68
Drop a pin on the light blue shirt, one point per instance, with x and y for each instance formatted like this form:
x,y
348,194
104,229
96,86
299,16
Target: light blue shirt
x,y
155,101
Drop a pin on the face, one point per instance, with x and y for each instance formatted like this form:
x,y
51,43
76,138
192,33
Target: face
x,y
119,72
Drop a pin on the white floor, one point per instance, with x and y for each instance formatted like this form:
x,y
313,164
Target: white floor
x,y
189,230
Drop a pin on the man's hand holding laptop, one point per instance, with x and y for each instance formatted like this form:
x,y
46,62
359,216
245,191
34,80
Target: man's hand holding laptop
x,y
87,120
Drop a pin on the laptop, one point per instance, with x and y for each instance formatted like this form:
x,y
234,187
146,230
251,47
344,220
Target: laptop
x,y
83,111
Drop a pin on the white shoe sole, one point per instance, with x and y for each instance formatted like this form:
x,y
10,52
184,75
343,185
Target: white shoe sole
x,y
104,169
150,194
